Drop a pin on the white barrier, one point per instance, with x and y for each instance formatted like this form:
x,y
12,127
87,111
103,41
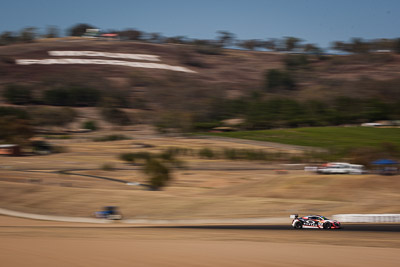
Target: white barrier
x,y
367,218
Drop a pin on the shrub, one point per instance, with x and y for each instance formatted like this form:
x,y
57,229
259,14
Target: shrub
x,y
51,116
18,94
59,137
231,153
72,96
279,79
116,116
296,61
132,157
59,149
18,113
251,154
208,49
91,125
15,125
111,137
107,167
207,153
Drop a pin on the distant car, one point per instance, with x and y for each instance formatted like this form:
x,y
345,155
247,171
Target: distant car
x,y
314,221
341,168
109,212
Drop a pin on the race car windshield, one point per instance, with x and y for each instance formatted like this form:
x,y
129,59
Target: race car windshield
x,y
324,218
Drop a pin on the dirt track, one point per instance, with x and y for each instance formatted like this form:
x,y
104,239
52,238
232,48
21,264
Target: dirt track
x,y
39,243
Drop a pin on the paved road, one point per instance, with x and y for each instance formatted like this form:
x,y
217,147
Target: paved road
x,y
346,227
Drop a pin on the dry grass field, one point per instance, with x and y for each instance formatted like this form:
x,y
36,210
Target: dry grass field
x,y
74,183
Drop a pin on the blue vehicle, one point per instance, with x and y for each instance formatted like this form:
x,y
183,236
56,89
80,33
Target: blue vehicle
x,y
109,212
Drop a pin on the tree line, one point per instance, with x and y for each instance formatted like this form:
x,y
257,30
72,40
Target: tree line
x,y
223,39
280,112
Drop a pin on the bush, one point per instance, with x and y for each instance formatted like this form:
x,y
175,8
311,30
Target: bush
x,y
293,62
15,125
59,149
79,29
72,96
278,79
208,49
18,113
91,125
112,137
18,94
132,157
52,116
206,153
116,116
107,167
41,147
59,137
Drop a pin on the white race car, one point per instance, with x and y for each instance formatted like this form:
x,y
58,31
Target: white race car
x,y
314,221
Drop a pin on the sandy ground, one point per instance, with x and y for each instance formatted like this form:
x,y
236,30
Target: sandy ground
x,y
39,243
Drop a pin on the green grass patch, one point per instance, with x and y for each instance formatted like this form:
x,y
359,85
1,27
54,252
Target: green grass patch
x,y
323,137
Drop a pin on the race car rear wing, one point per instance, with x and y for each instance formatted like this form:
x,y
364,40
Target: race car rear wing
x,y
294,216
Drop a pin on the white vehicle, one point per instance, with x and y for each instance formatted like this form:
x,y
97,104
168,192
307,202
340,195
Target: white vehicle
x,y
341,168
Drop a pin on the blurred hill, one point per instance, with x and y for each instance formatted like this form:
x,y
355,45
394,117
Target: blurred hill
x,y
218,75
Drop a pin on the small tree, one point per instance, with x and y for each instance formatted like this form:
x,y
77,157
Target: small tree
x,y
252,44
225,38
7,38
270,44
292,43
397,45
79,29
131,34
28,35
52,32
158,172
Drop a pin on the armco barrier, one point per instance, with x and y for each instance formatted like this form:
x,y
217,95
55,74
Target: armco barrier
x,y
367,218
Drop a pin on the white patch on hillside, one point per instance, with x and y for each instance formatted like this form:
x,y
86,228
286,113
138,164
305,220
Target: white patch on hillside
x,y
103,54
63,61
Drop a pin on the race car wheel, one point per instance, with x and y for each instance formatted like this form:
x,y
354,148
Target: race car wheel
x,y
327,225
298,225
